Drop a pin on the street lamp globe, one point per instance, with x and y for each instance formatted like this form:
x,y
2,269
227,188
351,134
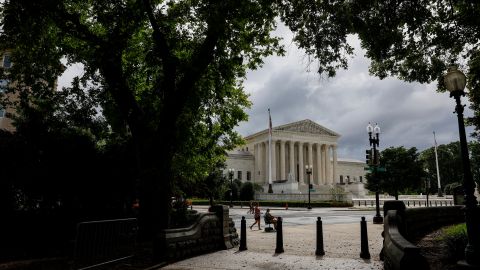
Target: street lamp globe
x,y
376,129
455,80
369,128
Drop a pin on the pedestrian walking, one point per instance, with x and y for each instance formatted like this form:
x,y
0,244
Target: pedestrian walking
x,y
257,217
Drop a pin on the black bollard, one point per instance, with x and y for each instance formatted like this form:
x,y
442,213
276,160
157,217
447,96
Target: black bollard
x,y
243,235
319,250
364,253
408,203
279,248
413,203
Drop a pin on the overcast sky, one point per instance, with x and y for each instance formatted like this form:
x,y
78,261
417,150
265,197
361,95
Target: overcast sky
x,y
407,113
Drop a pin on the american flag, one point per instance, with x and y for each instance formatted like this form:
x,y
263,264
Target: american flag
x,y
269,123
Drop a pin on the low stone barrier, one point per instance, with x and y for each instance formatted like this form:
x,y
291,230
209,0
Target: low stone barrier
x,y
303,197
211,232
399,253
402,225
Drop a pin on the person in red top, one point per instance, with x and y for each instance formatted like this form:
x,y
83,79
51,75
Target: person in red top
x,y
257,217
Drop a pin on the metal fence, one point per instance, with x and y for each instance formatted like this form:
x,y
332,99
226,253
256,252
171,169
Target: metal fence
x,y
103,242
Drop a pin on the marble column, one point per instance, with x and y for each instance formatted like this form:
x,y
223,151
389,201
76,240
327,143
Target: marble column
x,y
292,159
300,163
334,165
267,172
310,160
328,178
324,175
261,165
256,167
319,164
282,160
274,162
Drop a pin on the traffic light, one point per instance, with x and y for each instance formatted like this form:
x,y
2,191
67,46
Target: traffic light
x,y
368,156
310,186
376,159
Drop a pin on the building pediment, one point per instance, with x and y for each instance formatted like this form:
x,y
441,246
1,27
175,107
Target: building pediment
x,y
300,128
307,126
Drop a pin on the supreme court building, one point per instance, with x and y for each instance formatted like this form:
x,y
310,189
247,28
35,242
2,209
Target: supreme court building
x,y
295,145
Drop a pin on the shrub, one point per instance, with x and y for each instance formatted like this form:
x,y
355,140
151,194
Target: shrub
x,y
247,192
451,187
455,238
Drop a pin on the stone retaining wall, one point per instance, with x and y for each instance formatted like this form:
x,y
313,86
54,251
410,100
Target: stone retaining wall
x,y
211,232
402,225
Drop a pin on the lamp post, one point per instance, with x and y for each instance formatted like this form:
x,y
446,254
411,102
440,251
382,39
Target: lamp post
x,y
455,82
309,168
427,185
427,189
374,142
230,174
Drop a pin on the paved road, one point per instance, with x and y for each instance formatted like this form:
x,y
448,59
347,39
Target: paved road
x,y
302,216
297,216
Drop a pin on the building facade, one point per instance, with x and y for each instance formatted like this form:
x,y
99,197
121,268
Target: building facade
x,y
295,145
5,64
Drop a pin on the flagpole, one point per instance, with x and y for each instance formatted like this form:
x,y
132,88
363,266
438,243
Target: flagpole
x,y
440,194
270,190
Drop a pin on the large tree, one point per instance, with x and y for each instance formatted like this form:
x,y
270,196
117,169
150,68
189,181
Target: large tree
x,y
449,162
401,171
167,74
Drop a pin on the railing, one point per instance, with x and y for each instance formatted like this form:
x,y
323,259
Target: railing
x,y
408,202
103,242
302,197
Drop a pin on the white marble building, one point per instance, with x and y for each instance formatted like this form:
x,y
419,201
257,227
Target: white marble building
x,y
295,145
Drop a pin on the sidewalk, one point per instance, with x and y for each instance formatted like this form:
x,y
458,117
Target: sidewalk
x,y
341,245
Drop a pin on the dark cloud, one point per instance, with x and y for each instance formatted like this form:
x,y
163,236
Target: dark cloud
x,y
407,113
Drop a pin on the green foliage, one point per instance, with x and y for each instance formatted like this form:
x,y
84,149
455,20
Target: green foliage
x,y
181,215
449,162
455,238
404,171
247,191
165,76
212,186
449,188
474,148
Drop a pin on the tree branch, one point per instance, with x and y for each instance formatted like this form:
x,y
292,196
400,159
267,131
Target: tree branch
x,y
70,24
169,62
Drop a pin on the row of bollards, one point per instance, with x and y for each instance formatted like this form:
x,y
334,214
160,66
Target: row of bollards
x,y
319,251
